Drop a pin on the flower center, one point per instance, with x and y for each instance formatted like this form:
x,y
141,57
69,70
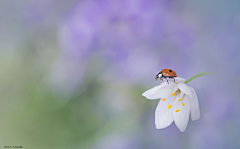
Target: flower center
x,y
176,99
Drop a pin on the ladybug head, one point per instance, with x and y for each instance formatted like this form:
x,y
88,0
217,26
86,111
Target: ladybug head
x,y
159,75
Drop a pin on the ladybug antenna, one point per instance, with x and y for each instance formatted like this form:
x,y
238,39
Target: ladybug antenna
x,y
156,77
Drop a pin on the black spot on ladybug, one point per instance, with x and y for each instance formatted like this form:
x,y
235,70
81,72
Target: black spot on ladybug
x,y
170,70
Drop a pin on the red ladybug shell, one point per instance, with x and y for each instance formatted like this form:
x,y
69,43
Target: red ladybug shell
x,y
169,73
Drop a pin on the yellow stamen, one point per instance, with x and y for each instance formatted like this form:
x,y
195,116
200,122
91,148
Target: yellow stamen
x,y
164,99
183,104
173,94
177,110
179,99
169,106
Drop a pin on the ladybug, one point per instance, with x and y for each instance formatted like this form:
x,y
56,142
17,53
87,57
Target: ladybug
x,y
166,73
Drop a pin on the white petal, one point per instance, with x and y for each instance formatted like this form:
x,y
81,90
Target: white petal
x,y
181,95
195,112
160,91
175,88
181,118
151,91
184,88
163,115
179,80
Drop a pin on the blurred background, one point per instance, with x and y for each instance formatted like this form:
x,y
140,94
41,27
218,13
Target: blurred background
x,y
72,72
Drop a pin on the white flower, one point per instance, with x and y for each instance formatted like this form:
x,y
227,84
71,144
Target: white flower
x,y
177,101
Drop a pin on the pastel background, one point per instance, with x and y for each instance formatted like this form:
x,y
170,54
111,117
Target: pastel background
x,y
72,72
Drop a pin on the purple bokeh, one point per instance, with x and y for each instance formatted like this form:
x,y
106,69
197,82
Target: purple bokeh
x,y
130,41
134,44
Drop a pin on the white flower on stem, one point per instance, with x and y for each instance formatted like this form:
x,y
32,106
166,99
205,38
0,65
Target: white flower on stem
x,y
177,101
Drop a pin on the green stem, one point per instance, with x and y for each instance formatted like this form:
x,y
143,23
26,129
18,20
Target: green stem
x,y
198,75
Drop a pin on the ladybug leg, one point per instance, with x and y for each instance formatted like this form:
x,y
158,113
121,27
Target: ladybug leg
x,y
167,80
162,80
174,81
